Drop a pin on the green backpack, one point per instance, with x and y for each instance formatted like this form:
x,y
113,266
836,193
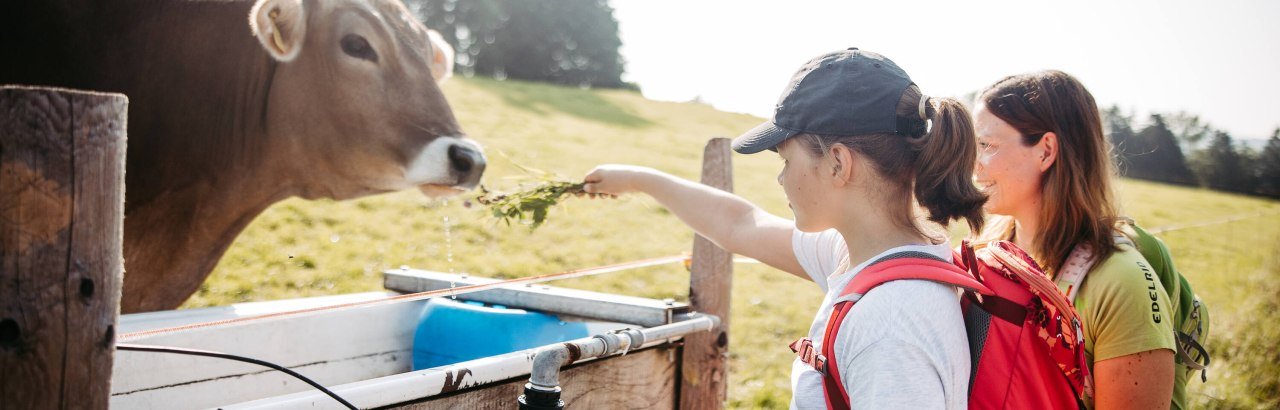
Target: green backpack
x,y
1191,316
1190,313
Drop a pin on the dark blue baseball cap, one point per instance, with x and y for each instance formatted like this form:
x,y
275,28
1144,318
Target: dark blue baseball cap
x,y
843,93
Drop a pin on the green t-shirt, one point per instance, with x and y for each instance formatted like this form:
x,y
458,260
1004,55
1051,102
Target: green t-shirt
x,y
1124,309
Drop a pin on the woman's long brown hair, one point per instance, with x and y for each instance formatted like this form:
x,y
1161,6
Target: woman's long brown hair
x,y
1078,202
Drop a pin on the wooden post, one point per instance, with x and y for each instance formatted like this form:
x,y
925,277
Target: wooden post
x,y
61,219
704,372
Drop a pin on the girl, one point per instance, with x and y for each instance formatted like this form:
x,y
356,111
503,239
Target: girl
x,y
858,157
1044,163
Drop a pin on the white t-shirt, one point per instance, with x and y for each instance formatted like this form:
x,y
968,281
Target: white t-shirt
x,y
903,345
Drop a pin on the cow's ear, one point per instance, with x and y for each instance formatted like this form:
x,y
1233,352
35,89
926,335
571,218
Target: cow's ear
x,y
441,57
280,25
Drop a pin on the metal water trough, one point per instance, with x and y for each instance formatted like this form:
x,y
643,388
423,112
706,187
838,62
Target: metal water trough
x,y
363,354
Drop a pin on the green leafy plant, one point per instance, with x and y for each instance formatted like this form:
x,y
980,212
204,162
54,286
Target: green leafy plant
x,y
528,206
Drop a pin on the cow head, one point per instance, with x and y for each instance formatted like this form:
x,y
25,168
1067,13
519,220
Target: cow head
x,y
355,106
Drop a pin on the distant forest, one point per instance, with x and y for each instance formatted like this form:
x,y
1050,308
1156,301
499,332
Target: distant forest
x,y
1181,149
571,42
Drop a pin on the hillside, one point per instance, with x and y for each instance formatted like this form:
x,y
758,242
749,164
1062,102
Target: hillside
x,y
306,248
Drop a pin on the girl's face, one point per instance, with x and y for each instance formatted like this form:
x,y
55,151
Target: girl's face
x,y
1008,171
803,186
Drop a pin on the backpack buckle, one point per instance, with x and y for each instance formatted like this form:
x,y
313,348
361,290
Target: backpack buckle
x,y
803,348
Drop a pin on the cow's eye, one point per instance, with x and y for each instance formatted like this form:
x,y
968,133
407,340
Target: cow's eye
x,y
356,46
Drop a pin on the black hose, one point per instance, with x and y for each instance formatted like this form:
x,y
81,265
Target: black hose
x,y
220,355
538,399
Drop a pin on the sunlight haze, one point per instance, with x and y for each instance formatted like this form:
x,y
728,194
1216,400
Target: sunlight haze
x,y
1214,59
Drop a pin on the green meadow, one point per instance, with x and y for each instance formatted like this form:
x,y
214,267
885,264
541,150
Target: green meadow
x,y
310,248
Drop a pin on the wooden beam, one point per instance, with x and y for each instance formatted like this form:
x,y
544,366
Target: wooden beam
x,y
61,219
704,371
639,380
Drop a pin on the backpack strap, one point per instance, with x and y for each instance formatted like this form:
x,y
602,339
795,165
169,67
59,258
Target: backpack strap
x,y
1074,269
904,266
1079,263
893,268
831,373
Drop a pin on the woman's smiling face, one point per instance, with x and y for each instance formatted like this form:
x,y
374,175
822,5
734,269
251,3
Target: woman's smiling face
x,y
1007,170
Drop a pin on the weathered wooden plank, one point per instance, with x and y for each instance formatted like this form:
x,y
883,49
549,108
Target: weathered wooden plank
x,y
703,383
61,217
639,380
35,214
96,265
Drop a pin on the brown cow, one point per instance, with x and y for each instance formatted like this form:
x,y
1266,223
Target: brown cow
x,y
235,105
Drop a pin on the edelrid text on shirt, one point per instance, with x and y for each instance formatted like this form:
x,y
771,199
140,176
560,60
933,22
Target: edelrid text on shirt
x,y
1151,292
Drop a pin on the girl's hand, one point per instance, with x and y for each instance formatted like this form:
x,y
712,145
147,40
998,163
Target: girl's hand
x,y
614,180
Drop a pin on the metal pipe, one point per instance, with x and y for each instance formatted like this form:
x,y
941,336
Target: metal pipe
x,y
546,365
543,389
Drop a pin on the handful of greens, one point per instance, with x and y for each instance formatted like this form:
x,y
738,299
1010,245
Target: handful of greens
x,y
529,206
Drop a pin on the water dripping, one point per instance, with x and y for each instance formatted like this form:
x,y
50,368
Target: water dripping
x,y
448,246
448,242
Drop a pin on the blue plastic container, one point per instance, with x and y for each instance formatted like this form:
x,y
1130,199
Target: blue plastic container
x,y
451,331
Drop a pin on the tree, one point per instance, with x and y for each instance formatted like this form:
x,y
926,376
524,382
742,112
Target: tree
x,y
1268,167
1188,129
1154,154
1221,166
573,42
1117,126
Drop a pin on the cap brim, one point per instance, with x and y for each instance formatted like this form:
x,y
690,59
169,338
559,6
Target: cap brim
x,y
762,137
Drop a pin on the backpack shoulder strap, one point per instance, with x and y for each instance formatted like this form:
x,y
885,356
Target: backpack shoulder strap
x,y
832,387
1079,263
1073,271
910,266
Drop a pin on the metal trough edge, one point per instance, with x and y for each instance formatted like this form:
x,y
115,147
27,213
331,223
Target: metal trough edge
x,y
581,303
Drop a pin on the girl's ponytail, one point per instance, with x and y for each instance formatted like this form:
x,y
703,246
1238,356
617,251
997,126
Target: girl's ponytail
x,y
944,164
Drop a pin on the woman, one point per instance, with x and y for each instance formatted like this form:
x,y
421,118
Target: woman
x,y
858,156
1043,161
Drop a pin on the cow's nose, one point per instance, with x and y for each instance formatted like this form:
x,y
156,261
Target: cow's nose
x,y
463,158
468,163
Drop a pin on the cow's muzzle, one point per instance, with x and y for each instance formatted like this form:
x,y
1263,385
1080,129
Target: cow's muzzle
x,y
467,163
446,166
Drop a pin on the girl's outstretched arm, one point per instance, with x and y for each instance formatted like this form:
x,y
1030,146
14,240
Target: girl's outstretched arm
x,y
726,219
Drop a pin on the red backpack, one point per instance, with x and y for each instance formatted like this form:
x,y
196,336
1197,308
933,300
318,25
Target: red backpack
x,y
1025,339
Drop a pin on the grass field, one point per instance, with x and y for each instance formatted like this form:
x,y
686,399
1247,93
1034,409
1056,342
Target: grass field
x,y
307,248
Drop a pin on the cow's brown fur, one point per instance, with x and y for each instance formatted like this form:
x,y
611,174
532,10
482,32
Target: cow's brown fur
x,y
218,130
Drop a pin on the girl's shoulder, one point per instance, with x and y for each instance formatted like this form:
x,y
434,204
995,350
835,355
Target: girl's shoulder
x,y
916,300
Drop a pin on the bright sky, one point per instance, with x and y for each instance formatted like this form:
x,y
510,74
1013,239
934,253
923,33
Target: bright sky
x,y
1217,59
